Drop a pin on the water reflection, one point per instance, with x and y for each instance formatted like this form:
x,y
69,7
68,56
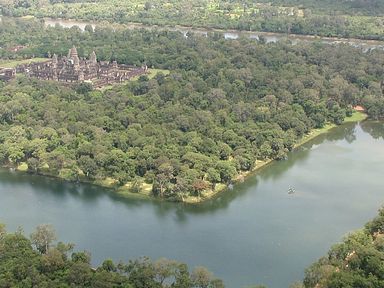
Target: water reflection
x,y
374,128
59,189
346,131
365,45
246,235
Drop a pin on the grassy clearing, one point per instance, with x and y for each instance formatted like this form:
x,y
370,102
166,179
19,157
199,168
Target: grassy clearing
x,y
107,87
152,73
107,182
127,191
208,194
129,194
22,167
28,17
314,133
261,163
14,63
356,117
146,188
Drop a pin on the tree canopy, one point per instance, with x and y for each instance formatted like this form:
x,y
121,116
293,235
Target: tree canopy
x,y
340,18
224,106
356,262
57,265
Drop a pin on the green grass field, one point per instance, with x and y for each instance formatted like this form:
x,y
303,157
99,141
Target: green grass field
x,y
152,73
14,63
356,117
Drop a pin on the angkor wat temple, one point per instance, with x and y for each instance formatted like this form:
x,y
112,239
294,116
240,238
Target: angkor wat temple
x,y
74,69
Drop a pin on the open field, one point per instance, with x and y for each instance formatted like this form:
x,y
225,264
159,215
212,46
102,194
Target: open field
x,y
152,73
14,63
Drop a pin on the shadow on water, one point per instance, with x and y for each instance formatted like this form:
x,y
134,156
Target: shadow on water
x,y
373,128
273,171
346,131
60,189
276,169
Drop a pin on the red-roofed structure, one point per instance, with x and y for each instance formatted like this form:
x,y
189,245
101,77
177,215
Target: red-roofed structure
x,y
359,108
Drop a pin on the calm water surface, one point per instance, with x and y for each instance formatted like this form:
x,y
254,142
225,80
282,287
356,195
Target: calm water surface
x,y
232,34
256,233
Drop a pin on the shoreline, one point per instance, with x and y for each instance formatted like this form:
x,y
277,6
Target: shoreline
x,y
203,29
126,190
261,164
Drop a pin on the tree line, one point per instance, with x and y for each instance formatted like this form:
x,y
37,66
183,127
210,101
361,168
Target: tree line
x,y
356,262
357,18
38,261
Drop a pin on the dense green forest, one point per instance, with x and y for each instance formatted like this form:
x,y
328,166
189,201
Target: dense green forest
x,y
38,262
356,262
357,18
332,7
224,106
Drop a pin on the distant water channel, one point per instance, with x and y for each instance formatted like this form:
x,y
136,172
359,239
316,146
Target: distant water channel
x,y
233,34
255,233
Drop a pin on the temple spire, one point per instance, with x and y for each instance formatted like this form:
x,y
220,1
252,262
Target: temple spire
x,y
93,57
73,56
73,52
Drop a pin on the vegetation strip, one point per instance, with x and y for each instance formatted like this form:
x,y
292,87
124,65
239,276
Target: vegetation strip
x,y
349,19
355,262
37,261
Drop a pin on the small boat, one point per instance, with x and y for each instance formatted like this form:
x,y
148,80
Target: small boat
x,y
291,190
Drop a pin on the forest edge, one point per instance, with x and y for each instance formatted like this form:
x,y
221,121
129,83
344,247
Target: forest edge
x,y
146,191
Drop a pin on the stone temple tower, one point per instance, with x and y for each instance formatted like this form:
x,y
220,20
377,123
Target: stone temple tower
x,y
93,57
54,67
72,54
54,61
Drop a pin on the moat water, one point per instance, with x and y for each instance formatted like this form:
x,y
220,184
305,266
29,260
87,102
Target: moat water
x,y
232,34
255,233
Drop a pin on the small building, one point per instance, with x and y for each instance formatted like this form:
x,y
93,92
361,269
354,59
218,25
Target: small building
x,y
359,108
